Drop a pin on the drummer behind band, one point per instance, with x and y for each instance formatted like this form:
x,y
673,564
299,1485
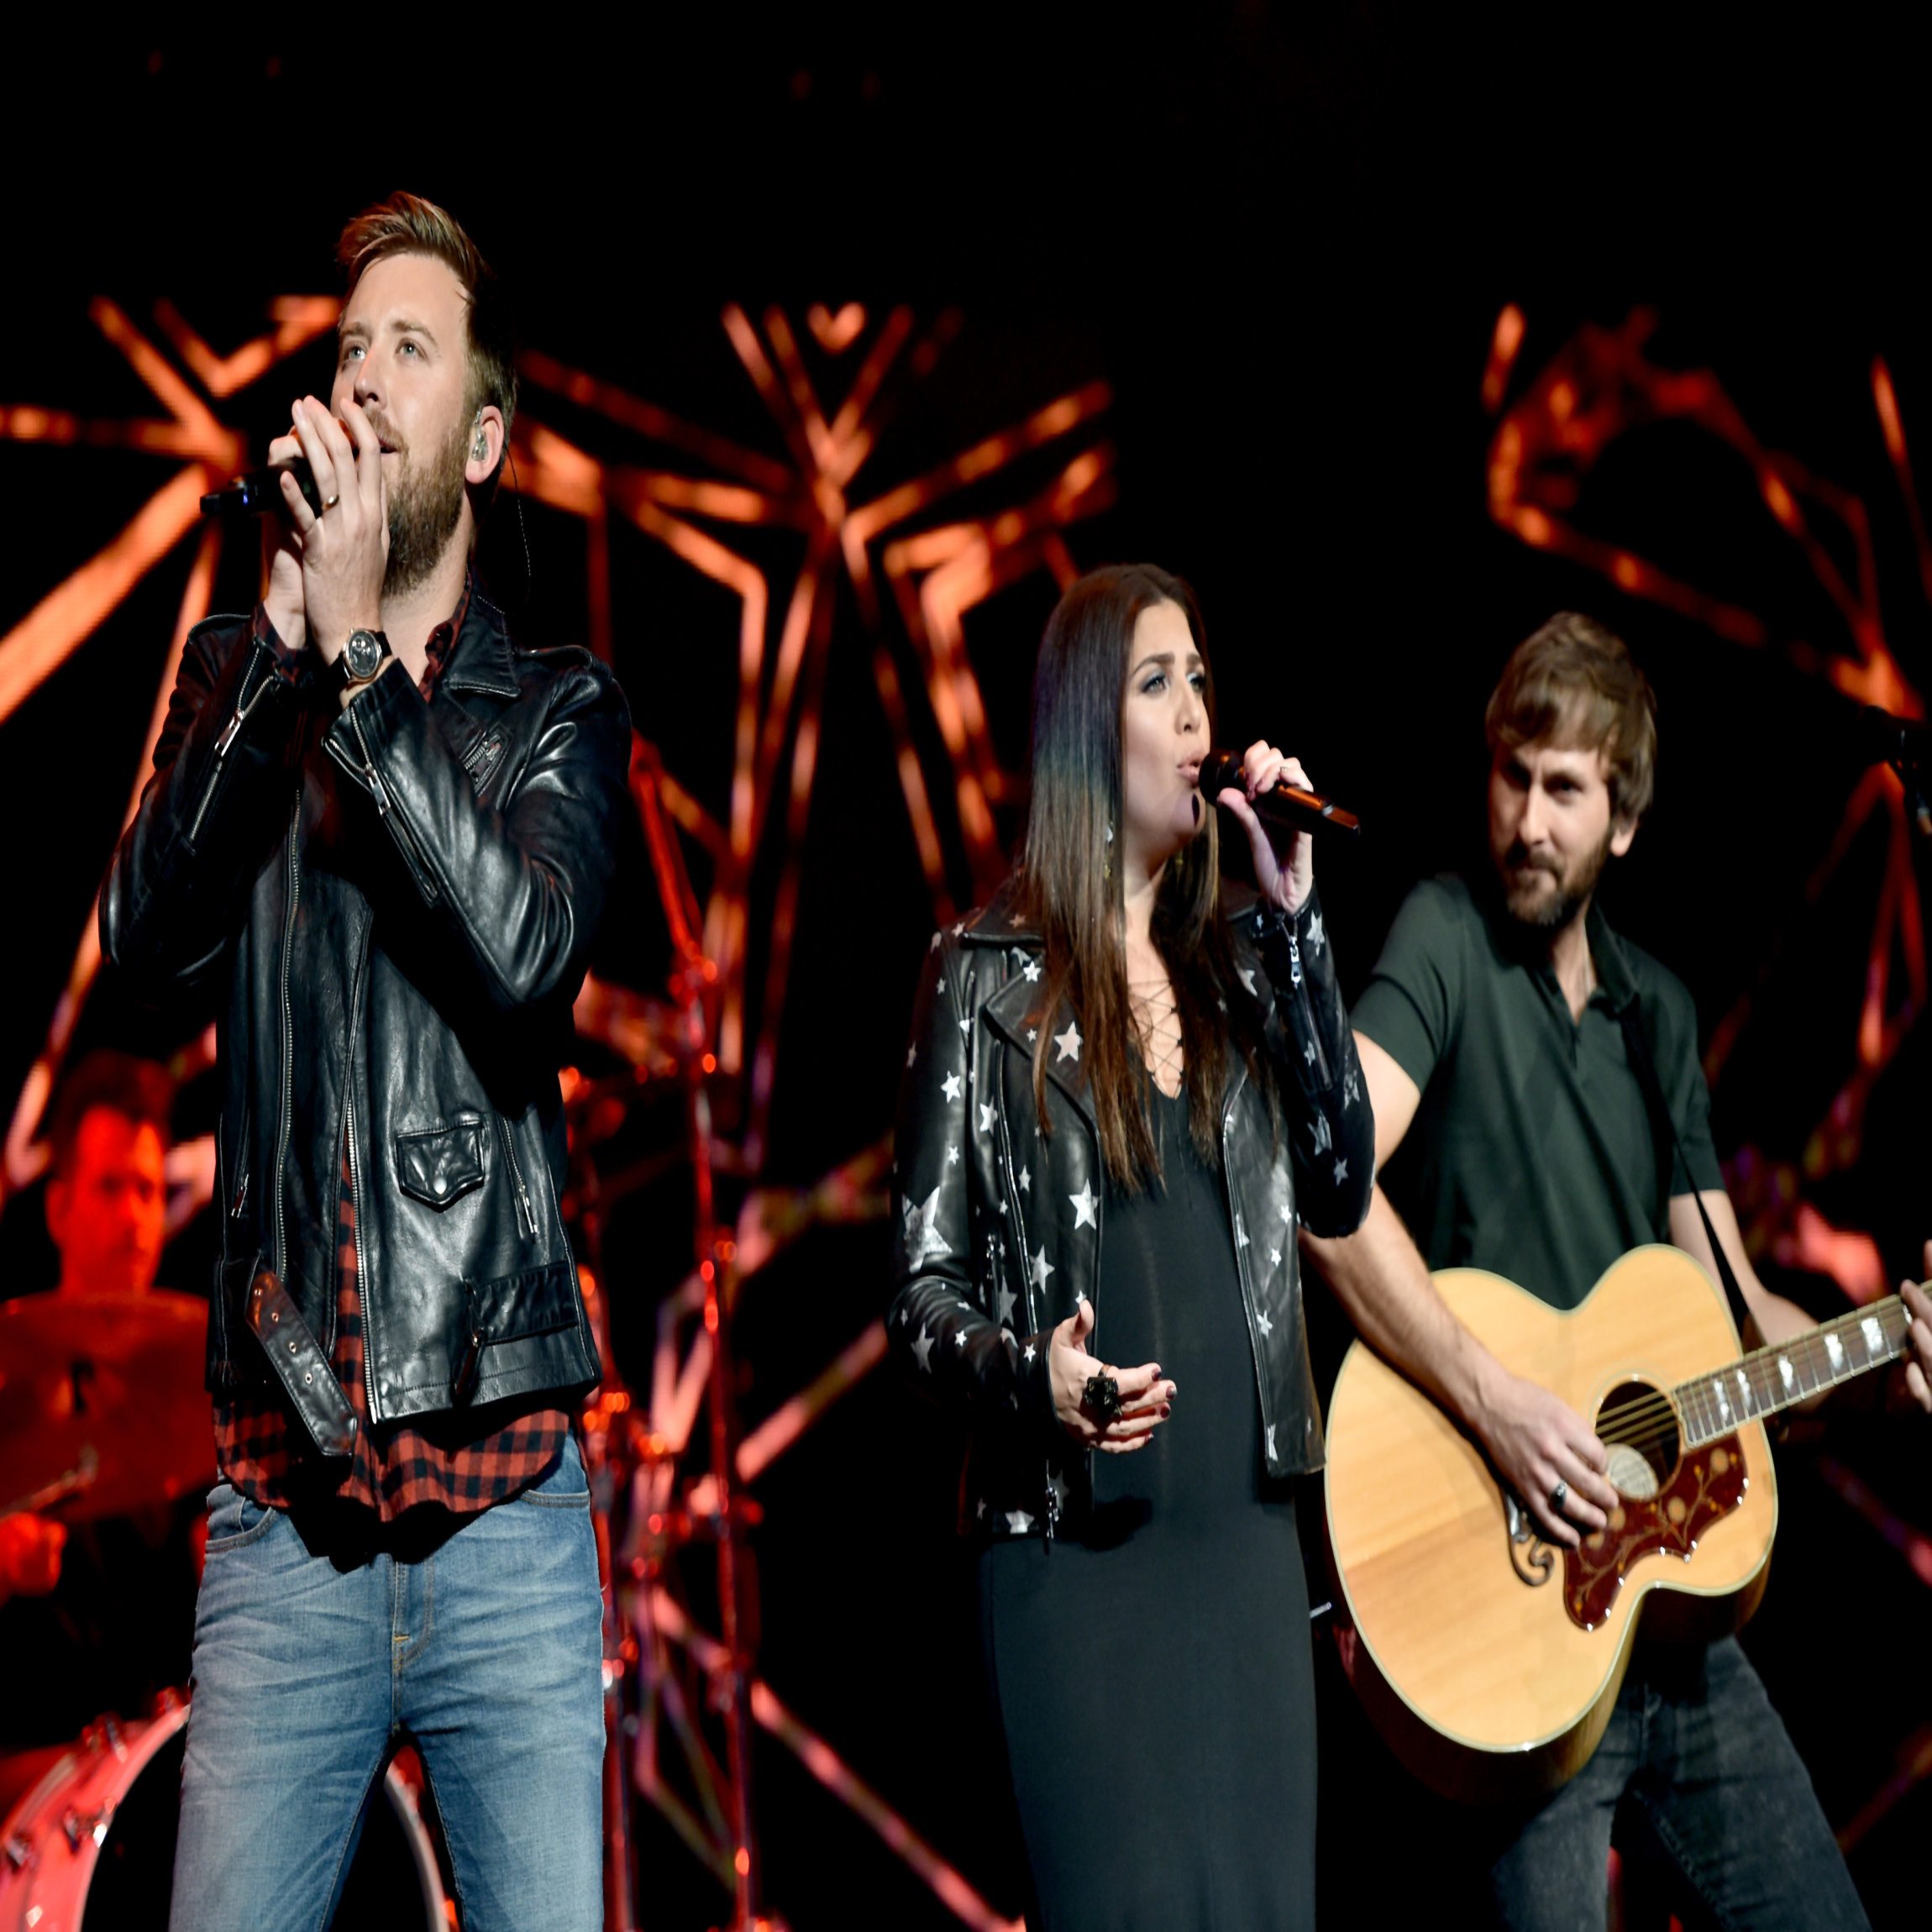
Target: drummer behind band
x,y
120,1618
384,831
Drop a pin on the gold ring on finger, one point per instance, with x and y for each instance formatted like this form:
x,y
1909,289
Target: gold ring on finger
x,y
332,502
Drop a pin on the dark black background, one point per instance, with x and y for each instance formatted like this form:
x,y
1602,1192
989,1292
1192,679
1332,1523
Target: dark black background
x,y
1284,241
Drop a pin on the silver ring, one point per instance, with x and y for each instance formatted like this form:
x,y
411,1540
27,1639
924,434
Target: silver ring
x,y
1559,1496
332,502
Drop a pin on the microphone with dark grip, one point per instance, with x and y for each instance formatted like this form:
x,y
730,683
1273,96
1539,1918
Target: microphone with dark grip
x,y
1885,739
1906,745
260,492
1287,805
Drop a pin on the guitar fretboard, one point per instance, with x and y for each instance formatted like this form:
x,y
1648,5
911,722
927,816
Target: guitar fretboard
x,y
1769,1379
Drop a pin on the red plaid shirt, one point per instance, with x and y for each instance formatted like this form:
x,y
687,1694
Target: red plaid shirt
x,y
444,1459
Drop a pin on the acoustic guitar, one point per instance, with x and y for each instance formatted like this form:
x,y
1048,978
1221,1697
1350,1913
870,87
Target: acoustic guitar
x,y
1490,1659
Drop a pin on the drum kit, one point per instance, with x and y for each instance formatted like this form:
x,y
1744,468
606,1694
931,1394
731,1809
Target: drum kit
x,y
103,1414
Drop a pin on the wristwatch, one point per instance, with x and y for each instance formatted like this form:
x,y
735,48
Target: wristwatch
x,y
364,654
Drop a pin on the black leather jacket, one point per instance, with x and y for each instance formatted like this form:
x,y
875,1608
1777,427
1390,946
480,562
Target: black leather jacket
x,y
999,1229
399,899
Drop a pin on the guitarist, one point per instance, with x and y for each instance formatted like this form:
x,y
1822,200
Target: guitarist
x,y
1492,1026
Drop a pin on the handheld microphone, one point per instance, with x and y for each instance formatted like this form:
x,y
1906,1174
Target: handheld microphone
x,y
260,492
1287,805
1886,739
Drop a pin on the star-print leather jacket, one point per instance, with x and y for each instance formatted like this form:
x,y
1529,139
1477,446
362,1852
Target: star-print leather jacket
x,y
998,1227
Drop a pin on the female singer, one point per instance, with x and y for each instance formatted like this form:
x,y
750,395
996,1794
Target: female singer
x,y
1123,1091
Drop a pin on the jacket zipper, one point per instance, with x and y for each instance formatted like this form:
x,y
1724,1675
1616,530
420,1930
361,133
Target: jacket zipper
x,y
411,853
230,731
1240,1253
1300,989
287,1035
368,1394
238,1201
526,1215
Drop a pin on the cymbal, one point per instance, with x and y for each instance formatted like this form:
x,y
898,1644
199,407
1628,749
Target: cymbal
x,y
112,1380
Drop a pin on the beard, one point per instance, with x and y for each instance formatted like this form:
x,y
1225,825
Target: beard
x,y
425,506
1538,908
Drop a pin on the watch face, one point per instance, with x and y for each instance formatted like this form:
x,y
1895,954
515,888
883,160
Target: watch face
x,y
363,655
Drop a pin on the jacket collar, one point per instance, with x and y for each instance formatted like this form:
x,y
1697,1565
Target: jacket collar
x,y
999,921
1017,1012
483,659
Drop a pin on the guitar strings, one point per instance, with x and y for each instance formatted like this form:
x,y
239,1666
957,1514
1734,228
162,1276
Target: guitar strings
x,y
1658,1415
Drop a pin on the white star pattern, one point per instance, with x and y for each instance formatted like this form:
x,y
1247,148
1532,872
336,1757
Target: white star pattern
x,y
1323,1139
1032,1034
1084,1205
952,1086
1262,1323
986,1118
1029,1351
922,1235
1350,1092
1287,1215
1308,1054
1069,1043
1006,1298
1340,1172
1025,1181
1316,937
923,1349
966,1025
934,947
1030,970
1247,974
1042,1267
1274,1257
1019,1522
959,1338
952,1156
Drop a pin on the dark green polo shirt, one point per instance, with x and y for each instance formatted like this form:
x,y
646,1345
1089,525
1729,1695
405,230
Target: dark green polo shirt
x,y
1530,1154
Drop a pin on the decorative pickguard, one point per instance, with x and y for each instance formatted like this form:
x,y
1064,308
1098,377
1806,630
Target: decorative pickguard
x,y
1706,1485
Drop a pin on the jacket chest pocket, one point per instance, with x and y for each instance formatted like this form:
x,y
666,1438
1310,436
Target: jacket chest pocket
x,y
483,756
441,1164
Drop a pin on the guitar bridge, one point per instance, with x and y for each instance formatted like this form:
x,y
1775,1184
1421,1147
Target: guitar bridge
x,y
1531,1557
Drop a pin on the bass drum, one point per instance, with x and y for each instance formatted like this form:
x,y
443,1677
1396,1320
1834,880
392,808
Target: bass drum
x,y
88,1843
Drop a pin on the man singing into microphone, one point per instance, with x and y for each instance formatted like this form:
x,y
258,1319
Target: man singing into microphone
x,y
385,833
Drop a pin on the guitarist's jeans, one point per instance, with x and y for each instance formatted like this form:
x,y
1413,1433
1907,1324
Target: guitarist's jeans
x,y
1713,1813
1695,1769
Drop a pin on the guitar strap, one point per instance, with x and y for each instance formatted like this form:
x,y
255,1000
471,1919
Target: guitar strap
x,y
1664,1135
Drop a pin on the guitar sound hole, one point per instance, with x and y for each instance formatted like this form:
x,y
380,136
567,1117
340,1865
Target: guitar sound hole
x,y
1639,1427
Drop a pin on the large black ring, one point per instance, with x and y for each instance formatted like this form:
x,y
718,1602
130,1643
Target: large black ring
x,y
1103,1398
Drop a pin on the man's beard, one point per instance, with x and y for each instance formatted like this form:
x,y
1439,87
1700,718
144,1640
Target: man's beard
x,y
425,506
1573,894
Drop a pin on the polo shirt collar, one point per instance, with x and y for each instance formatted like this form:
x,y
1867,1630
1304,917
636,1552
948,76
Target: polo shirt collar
x,y
1615,981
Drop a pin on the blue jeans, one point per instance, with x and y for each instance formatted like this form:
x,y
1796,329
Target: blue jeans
x,y
307,1672
1701,1780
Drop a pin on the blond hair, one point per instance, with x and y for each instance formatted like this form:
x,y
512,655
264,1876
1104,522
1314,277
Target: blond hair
x,y
407,224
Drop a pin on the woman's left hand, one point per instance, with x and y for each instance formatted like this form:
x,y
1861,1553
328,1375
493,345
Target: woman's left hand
x,y
1286,874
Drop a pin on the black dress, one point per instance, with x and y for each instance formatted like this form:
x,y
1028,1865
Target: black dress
x,y
1152,1667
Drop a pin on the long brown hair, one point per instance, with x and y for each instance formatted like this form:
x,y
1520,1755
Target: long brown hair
x,y
1070,887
